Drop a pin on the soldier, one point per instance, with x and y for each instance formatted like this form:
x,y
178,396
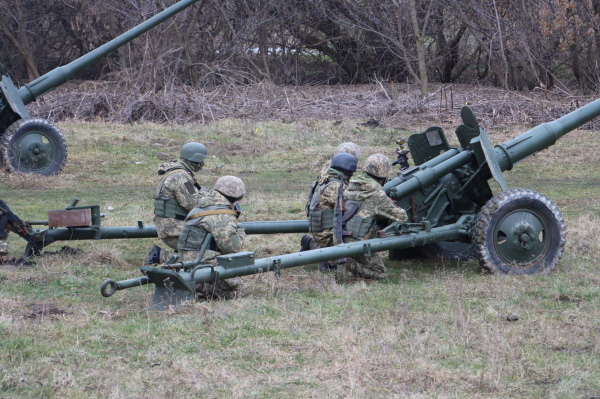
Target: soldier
x,y
348,148
307,242
3,243
3,246
178,193
216,213
366,206
321,208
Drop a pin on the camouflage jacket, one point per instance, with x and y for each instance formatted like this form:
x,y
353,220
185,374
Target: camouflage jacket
x,y
180,185
227,235
325,169
328,195
375,203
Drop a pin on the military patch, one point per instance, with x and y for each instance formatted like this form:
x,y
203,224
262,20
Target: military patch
x,y
190,187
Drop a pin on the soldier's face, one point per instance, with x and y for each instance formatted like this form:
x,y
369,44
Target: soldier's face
x,y
196,166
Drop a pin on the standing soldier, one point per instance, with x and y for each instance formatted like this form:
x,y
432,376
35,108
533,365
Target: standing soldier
x,y
178,193
365,206
217,213
321,207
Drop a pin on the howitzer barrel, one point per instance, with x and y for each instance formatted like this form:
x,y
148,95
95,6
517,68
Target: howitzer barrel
x,y
507,154
543,136
398,188
60,75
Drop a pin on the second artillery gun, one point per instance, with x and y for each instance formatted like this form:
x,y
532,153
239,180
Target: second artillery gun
x,y
33,145
448,200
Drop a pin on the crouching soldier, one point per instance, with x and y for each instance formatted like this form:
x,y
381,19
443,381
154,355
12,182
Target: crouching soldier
x,y
3,237
366,209
322,204
178,193
217,213
344,148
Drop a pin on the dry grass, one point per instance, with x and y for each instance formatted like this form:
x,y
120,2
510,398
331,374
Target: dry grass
x,y
390,103
433,329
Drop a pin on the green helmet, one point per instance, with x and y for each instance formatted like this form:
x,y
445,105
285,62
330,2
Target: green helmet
x,y
378,165
231,186
349,148
193,152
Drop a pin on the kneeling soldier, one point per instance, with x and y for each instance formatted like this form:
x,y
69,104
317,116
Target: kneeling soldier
x,y
324,199
178,192
344,148
366,206
217,213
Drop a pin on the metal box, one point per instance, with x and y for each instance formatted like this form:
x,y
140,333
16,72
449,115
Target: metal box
x,y
239,259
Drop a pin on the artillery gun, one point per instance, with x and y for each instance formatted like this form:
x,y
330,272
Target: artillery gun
x,y
33,145
447,198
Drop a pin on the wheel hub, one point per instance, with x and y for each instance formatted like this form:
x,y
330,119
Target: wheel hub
x,y
34,151
521,237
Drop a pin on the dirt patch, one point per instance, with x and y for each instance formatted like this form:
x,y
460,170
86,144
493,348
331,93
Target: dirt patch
x,y
44,310
573,351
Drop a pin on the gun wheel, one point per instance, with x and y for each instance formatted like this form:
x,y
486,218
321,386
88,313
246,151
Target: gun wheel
x,y
33,146
519,232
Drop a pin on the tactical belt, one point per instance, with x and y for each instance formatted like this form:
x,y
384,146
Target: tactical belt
x,y
213,212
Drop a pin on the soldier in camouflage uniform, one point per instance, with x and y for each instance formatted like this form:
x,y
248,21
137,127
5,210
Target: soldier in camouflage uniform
x,y
216,213
178,193
307,242
348,148
3,243
366,207
322,204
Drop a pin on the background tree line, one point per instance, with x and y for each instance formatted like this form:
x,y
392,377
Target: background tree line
x,y
512,44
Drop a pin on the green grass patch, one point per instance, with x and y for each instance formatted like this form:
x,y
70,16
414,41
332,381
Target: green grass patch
x,y
431,329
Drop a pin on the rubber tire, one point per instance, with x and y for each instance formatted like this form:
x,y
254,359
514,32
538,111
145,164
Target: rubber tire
x,y
435,250
500,205
22,126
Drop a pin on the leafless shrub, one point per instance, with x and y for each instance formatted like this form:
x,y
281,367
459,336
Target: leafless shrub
x,y
390,103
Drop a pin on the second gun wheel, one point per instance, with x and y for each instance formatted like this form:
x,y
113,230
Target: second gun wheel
x,y
519,231
33,146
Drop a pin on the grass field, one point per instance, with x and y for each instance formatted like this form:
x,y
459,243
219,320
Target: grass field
x,y
433,329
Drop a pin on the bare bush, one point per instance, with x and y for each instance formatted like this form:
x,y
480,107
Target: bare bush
x,y
391,103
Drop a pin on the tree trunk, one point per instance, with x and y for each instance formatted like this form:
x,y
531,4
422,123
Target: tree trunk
x,y
424,81
184,50
21,45
121,52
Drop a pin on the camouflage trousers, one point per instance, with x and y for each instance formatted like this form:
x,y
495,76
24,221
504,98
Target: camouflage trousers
x,y
168,231
371,267
3,246
323,239
224,289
